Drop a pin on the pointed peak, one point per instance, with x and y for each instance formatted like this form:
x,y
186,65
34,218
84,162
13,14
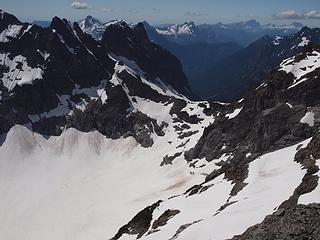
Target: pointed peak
x,y
190,23
145,23
61,25
56,20
252,22
8,18
91,19
140,31
305,29
297,24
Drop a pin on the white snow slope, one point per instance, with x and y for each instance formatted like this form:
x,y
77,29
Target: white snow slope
x,y
84,186
78,185
272,179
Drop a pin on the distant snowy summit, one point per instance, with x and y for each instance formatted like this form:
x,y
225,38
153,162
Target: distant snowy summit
x,y
95,27
242,33
187,28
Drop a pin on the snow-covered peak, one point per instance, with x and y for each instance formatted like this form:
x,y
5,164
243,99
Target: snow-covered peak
x,y
112,22
96,28
89,21
93,27
187,28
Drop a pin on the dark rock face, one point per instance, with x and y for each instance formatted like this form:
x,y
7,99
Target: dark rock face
x,y
6,20
164,218
138,89
250,66
177,107
300,222
73,64
140,224
66,57
122,40
114,118
169,159
109,118
266,121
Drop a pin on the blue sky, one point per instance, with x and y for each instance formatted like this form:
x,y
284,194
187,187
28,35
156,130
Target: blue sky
x,y
170,11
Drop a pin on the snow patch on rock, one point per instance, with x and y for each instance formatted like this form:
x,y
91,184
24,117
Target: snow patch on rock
x,y
234,113
11,31
305,41
308,119
18,72
301,68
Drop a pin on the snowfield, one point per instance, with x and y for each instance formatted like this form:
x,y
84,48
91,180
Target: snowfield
x,y
272,179
84,186
78,185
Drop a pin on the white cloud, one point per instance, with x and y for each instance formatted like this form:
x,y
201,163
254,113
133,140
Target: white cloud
x,y
292,14
288,14
79,5
313,15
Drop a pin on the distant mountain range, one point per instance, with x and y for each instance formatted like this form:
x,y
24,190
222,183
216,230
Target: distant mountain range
x,y
196,57
242,33
229,78
205,50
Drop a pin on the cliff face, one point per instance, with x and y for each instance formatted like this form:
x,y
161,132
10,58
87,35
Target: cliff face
x,y
153,59
59,77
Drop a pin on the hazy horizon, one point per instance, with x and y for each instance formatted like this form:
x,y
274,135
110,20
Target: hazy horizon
x,y
167,12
